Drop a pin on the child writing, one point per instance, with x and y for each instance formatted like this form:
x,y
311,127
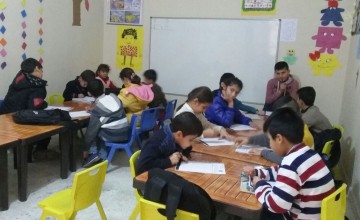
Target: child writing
x,y
170,144
150,77
222,111
295,188
197,102
107,123
102,74
77,88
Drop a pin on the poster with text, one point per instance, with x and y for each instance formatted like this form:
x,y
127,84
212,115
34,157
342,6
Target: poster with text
x,y
129,47
258,7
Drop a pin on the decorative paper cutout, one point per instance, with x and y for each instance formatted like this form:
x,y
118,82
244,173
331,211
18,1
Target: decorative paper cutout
x,y
326,64
129,47
3,41
3,65
76,13
290,57
87,5
258,7
329,38
3,52
41,20
332,14
23,25
23,3
2,5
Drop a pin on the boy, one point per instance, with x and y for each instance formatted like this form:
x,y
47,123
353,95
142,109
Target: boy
x,y
283,84
150,77
107,123
295,188
311,114
77,88
171,144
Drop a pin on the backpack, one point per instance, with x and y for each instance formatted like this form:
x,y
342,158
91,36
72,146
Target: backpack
x,y
43,117
177,193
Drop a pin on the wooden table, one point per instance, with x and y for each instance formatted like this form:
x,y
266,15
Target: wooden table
x,y
223,189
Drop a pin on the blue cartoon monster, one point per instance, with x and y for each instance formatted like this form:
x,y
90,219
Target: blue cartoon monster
x,y
332,13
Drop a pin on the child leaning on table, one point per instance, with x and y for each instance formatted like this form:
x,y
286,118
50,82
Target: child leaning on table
x,y
295,188
170,144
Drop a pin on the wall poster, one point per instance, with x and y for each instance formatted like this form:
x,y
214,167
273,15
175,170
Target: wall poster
x,y
126,12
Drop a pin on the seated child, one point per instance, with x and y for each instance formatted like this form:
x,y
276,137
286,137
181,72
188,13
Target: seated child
x,y
77,88
222,111
237,103
197,102
295,188
107,123
170,144
310,113
263,140
150,77
102,73
282,84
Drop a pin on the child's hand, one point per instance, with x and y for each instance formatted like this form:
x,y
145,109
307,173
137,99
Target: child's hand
x,y
254,125
241,140
249,171
255,179
282,87
175,158
228,98
225,135
255,152
260,112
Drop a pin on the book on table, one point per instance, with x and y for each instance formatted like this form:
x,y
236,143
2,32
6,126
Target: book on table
x,y
247,149
246,183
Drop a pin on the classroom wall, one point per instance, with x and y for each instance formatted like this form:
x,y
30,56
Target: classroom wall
x,y
68,50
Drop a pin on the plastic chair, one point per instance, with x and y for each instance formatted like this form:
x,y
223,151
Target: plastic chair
x,y
334,205
148,122
123,145
169,111
150,210
85,191
138,195
55,99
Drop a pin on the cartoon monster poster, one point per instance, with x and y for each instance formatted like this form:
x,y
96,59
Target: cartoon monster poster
x,y
129,47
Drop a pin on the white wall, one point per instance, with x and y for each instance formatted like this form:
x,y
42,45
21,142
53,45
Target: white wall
x,y
68,50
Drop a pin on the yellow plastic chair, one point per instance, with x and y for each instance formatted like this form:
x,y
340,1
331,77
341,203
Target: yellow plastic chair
x,y
138,194
55,99
85,191
150,210
341,128
334,206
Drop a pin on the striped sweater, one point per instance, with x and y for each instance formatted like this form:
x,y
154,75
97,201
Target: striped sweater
x,y
297,186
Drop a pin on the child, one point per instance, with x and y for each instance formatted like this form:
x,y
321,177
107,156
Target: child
x,y
77,88
135,96
171,144
107,123
283,84
311,114
102,74
197,102
295,188
150,77
222,111
237,103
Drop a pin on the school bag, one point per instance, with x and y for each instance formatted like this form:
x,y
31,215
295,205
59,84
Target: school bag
x,y
177,193
43,117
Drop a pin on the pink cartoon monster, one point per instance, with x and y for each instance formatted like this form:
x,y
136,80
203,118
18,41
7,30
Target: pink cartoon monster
x,y
329,38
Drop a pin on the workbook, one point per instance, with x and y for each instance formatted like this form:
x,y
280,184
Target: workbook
x,y
246,183
201,167
247,149
240,127
216,142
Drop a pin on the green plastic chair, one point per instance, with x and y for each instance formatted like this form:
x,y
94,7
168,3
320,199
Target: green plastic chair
x,y
55,99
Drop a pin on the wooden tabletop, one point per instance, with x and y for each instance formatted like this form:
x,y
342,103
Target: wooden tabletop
x,y
223,189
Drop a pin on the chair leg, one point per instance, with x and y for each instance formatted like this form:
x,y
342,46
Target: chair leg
x,y
111,155
101,210
43,216
129,151
135,212
72,217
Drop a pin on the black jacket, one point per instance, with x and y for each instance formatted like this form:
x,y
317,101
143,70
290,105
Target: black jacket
x,y
25,92
73,88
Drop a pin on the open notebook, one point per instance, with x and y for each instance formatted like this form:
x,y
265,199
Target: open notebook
x,y
216,142
246,149
201,167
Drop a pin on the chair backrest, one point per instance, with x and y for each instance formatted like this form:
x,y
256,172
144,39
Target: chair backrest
x,y
151,210
341,128
170,109
149,118
334,205
55,99
133,168
132,128
87,186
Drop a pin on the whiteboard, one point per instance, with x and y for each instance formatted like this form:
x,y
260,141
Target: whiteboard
x,y
192,52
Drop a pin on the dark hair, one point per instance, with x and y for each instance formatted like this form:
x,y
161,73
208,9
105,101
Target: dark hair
x,y
281,65
202,93
150,74
87,75
286,122
103,67
307,94
187,123
130,74
95,87
28,65
129,31
286,101
233,81
224,77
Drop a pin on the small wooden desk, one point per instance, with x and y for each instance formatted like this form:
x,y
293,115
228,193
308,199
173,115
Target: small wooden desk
x,y
223,189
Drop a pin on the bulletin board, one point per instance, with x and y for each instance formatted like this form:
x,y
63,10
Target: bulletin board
x,y
191,52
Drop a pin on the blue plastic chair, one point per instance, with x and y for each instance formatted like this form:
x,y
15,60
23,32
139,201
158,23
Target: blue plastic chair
x,y
169,112
148,122
123,145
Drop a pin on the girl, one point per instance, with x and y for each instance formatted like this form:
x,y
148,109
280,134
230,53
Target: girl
x,y
102,73
135,96
197,102
222,111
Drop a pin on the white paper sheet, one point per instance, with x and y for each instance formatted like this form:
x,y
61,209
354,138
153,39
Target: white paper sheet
x,y
216,142
268,113
79,114
202,167
245,149
240,127
252,116
86,99
51,107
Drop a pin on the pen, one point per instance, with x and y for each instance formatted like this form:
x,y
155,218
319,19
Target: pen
x,y
178,164
203,142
